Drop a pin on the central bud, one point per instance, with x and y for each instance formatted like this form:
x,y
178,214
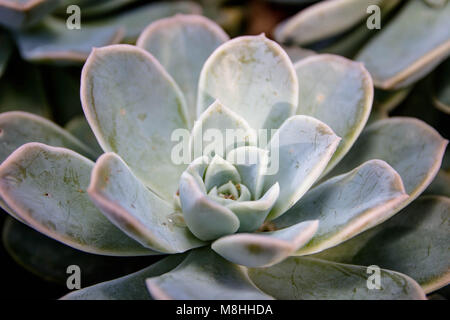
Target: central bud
x,y
230,191
223,182
220,196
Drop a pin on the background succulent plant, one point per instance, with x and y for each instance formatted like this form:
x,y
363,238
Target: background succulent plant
x,y
412,41
335,188
50,50
35,44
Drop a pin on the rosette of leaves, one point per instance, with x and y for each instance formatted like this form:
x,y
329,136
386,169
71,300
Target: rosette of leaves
x,y
232,230
411,40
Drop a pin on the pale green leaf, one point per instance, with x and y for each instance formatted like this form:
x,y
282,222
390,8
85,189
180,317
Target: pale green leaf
x,y
253,77
348,204
299,152
137,211
414,242
46,187
130,287
18,128
219,130
338,92
303,278
404,51
264,249
410,146
206,219
340,15
133,107
207,276
182,44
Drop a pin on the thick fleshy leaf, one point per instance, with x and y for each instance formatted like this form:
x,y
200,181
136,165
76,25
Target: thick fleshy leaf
x,y
405,52
206,219
130,287
17,14
349,43
5,52
252,214
218,130
135,116
79,128
136,210
230,189
338,92
134,21
51,41
340,15
49,259
18,128
313,279
17,94
251,163
348,204
301,148
182,44
46,187
207,276
264,249
252,76
197,169
414,242
408,145
220,172
441,87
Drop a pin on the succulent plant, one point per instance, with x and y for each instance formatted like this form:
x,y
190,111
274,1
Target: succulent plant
x,y
234,228
411,41
48,49
39,27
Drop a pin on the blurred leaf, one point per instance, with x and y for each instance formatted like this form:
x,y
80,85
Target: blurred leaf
x,y
52,42
17,14
49,258
409,47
